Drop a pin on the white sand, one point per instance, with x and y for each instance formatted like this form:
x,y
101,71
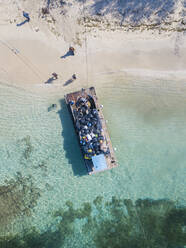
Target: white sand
x,y
30,53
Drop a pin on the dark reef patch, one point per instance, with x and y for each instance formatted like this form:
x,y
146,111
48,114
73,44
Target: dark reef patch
x,y
116,223
17,198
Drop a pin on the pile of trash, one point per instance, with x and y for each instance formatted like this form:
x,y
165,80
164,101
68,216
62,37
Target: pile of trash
x,y
89,127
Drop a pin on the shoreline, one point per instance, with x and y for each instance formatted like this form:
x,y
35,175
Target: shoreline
x,y
30,57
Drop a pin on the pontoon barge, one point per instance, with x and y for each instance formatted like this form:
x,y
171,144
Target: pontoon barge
x,y
91,130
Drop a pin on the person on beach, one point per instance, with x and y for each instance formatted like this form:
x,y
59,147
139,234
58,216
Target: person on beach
x,y
72,50
70,80
52,78
55,75
26,15
74,76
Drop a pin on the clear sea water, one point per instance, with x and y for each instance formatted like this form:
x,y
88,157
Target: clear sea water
x,y
147,124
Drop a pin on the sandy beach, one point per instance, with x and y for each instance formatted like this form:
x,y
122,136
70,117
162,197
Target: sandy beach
x,y
31,52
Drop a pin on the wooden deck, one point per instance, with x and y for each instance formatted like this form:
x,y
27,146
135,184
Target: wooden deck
x,y
110,158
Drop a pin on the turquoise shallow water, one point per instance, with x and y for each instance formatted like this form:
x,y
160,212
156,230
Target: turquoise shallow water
x,y
147,125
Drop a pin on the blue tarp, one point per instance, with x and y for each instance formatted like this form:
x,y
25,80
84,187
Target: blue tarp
x,y
99,162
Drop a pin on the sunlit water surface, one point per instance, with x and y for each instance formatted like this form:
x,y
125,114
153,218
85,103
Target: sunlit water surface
x,y
147,125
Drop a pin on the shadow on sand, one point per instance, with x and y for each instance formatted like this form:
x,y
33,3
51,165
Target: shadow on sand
x,y
70,144
22,23
50,80
67,54
68,82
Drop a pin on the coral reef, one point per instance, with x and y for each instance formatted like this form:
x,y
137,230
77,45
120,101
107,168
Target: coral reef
x,y
117,223
17,198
